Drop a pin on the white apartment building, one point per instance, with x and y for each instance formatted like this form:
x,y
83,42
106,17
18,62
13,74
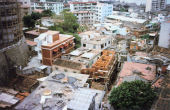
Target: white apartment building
x,y
103,10
155,5
55,7
164,38
84,11
90,12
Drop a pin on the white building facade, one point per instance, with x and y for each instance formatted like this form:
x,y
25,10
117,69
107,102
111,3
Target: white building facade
x,y
102,11
55,7
164,38
90,12
84,11
94,40
155,5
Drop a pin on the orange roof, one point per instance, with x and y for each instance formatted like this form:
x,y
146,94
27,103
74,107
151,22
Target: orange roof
x,y
31,43
146,71
33,32
168,21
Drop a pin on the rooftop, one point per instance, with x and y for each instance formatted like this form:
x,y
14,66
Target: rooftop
x,y
31,43
61,89
33,32
124,18
78,12
145,71
83,56
82,2
62,38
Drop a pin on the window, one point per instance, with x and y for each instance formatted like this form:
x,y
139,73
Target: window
x,y
105,44
84,45
109,42
102,46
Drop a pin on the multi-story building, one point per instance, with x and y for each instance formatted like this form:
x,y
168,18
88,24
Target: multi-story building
x,y
155,5
51,45
164,38
10,22
84,11
90,12
103,10
94,40
55,7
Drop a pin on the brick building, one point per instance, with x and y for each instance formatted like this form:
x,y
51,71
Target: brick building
x,y
51,45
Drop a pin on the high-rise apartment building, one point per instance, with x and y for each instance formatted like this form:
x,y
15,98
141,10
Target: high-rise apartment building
x,y
155,5
53,5
10,22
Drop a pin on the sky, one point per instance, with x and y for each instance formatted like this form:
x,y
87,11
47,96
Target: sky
x,y
139,1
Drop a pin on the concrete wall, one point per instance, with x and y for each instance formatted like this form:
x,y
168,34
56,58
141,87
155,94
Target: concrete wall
x,y
164,38
10,58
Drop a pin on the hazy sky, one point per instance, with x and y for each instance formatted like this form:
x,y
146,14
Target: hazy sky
x,y
139,1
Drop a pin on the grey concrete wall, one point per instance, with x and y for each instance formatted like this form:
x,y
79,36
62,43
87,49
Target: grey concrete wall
x,y
164,38
11,58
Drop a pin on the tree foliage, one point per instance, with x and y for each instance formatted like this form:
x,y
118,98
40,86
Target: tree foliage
x,y
135,95
47,13
28,21
146,36
36,16
68,26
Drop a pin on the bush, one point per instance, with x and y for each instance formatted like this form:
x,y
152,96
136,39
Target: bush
x,y
135,95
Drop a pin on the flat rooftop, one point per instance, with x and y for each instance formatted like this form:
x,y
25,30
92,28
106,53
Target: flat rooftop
x,y
97,40
84,56
60,89
62,38
124,18
79,12
33,32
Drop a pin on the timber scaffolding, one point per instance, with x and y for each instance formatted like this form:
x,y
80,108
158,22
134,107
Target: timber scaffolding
x,y
10,23
104,70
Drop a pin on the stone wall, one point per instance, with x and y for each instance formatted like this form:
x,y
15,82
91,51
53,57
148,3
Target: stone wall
x,y
11,58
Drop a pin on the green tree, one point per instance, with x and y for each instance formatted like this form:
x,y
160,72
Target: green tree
x,y
28,21
70,22
36,16
135,95
47,13
77,40
146,36
68,26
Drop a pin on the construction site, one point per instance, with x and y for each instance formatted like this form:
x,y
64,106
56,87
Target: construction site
x,y
42,68
103,70
10,22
